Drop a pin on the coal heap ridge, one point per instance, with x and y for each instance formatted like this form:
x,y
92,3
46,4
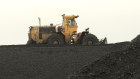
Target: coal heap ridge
x,y
122,64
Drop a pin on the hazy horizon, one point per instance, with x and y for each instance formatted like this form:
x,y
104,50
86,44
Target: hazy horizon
x,y
118,20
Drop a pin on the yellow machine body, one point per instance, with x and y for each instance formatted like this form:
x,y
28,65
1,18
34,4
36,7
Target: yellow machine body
x,y
60,35
69,28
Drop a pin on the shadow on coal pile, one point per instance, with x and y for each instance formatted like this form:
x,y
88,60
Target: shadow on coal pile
x,y
123,64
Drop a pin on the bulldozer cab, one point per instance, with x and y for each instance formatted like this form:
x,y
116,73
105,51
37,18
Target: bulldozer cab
x,y
69,25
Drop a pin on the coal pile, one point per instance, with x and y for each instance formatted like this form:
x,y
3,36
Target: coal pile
x,y
122,64
135,43
42,62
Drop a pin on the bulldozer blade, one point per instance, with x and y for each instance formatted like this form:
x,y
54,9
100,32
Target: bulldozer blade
x,y
103,41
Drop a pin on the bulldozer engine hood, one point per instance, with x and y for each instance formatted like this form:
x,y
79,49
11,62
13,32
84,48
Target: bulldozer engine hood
x,y
47,29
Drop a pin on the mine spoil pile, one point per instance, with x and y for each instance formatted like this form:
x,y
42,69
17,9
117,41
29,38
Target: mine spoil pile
x,y
122,64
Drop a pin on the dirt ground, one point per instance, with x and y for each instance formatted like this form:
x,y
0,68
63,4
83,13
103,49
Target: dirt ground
x,y
121,64
43,62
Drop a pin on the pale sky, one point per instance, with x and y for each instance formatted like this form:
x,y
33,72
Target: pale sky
x,y
118,20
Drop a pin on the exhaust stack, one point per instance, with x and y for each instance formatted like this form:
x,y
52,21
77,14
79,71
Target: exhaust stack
x,y
39,21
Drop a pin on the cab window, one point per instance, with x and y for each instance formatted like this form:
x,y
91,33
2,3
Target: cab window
x,y
71,22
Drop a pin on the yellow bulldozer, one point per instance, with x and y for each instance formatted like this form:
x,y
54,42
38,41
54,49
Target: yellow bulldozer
x,y
66,34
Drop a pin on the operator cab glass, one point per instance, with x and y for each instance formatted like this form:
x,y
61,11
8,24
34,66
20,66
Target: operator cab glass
x,y
71,22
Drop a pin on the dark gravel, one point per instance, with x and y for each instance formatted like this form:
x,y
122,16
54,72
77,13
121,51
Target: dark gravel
x,y
122,64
